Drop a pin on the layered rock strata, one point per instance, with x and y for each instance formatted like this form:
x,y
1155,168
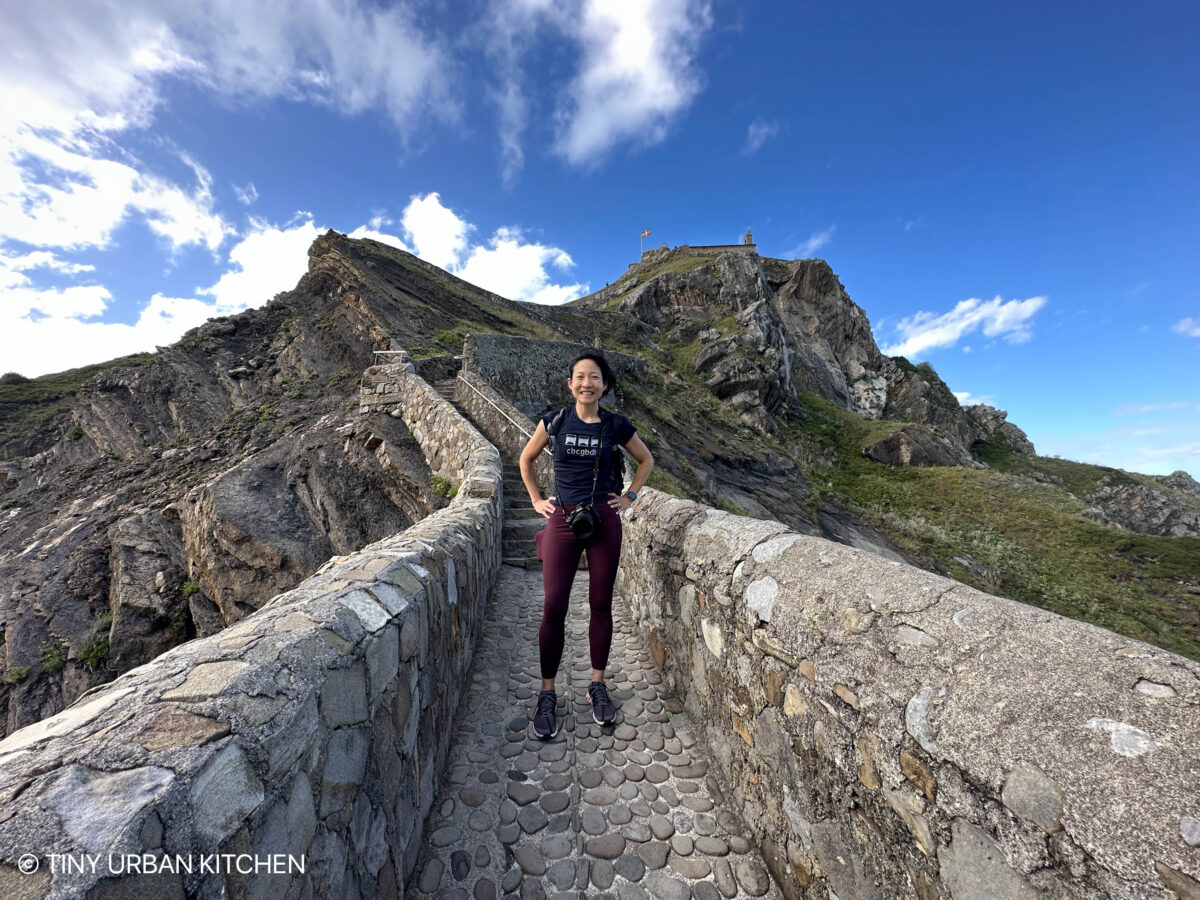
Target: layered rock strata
x,y
314,728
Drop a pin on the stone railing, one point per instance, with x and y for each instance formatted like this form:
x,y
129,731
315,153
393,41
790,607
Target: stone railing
x,y
890,733
294,754
503,423
533,372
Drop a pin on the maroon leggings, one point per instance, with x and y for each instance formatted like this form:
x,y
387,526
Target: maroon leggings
x,y
560,561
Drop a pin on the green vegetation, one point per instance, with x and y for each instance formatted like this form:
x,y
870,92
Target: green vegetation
x,y
54,656
29,405
1014,530
189,588
16,674
95,649
444,486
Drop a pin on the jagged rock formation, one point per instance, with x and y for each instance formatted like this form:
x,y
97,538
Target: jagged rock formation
x,y
181,494
1172,508
763,328
919,445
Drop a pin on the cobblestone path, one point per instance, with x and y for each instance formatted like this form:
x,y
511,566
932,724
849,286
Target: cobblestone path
x,y
627,811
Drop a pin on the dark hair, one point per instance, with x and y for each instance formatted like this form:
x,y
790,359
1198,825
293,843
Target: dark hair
x,y
606,372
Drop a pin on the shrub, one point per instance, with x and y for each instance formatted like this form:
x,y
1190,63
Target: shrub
x,y
16,674
94,652
54,657
444,486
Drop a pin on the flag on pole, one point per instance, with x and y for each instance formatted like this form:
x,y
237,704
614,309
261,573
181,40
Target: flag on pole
x,y
646,233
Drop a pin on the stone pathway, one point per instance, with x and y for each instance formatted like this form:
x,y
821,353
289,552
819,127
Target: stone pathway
x,y
627,811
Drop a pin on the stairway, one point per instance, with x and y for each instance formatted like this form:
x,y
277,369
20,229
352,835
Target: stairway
x,y
521,522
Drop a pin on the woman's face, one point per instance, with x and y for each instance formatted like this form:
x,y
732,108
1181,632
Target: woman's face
x,y
586,382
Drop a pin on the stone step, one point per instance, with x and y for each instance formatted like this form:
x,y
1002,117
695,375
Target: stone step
x,y
522,562
525,528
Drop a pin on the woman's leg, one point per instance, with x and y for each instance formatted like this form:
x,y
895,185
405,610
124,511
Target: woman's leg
x,y
604,554
560,561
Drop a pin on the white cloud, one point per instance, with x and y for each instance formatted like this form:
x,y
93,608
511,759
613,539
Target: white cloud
x,y
517,270
268,260
1154,451
637,75
363,231
57,190
815,241
78,75
505,264
104,63
925,331
1189,327
50,330
966,398
637,72
247,195
758,134
440,236
1142,409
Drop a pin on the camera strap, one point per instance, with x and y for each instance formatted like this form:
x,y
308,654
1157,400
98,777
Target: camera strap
x,y
596,464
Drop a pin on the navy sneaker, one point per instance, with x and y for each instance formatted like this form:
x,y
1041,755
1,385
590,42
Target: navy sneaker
x,y
603,710
545,719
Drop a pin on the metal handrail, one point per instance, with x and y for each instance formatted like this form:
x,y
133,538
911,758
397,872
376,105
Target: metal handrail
x,y
489,401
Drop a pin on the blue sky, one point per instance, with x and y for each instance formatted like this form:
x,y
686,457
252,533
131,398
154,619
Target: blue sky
x,y
1010,191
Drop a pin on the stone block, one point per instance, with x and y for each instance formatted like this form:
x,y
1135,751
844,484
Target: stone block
x,y
223,794
208,680
344,696
1032,796
383,661
293,736
345,765
973,867
95,807
370,613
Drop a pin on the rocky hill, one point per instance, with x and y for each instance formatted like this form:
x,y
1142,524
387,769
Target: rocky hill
x,y
168,495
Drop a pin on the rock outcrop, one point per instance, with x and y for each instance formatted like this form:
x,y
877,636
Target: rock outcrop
x,y
1170,508
918,445
758,330
182,494
989,421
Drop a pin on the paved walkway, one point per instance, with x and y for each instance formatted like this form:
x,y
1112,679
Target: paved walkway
x,y
628,811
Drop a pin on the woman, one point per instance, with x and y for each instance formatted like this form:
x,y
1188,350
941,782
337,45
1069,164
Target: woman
x,y
585,437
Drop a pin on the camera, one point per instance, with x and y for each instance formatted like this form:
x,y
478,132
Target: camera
x,y
584,521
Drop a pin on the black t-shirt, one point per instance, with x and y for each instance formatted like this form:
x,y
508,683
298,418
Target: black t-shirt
x,y
575,447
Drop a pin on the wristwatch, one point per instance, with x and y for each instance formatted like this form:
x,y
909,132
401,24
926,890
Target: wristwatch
x,y
632,495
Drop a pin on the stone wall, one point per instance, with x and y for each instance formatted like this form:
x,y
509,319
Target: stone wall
x,y
314,729
502,422
890,733
532,372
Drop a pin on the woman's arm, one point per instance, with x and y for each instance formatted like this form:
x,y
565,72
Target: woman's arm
x,y
536,445
645,463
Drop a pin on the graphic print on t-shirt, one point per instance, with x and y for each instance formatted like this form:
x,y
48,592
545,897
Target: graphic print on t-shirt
x,y
581,444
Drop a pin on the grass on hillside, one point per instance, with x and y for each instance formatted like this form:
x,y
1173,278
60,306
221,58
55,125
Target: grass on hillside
x,y
1007,533
29,405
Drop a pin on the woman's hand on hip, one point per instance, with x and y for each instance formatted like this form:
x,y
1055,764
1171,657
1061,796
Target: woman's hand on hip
x,y
545,507
620,503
